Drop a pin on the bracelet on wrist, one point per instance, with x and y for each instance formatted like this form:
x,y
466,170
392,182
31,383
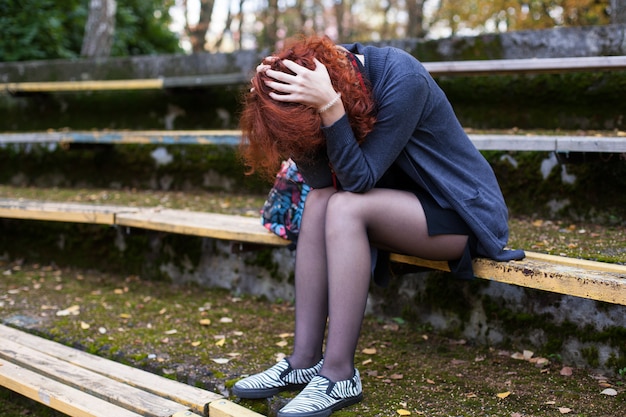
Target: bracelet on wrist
x,y
330,104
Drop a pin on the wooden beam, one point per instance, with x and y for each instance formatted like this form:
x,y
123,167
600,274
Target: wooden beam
x,y
505,142
211,225
526,66
192,397
62,212
56,395
582,278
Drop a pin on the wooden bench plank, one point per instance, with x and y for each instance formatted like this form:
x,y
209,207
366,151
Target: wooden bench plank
x,y
56,395
595,280
193,397
63,212
526,66
97,385
445,68
164,137
212,225
505,142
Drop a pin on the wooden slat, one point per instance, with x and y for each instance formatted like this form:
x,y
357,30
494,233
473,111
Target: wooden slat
x,y
95,85
212,225
63,212
189,81
56,395
548,143
594,280
165,137
192,397
97,385
581,278
447,68
526,66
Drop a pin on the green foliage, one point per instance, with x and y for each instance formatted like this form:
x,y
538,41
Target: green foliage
x,y
41,29
54,29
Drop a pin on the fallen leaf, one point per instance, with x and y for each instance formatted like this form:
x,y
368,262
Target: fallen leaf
x,y
430,381
226,320
503,394
125,316
221,342
221,361
403,412
195,344
172,331
205,322
282,343
566,371
565,410
284,335
396,376
369,351
70,311
609,391
367,362
84,325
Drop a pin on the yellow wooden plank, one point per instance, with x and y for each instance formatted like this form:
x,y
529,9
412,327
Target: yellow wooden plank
x,y
594,280
97,385
579,263
225,408
212,225
56,395
87,85
58,211
195,398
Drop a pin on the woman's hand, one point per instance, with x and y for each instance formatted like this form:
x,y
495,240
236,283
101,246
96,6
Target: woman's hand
x,y
309,87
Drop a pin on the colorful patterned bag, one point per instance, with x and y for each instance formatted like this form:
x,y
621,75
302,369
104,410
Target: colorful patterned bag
x,y
282,212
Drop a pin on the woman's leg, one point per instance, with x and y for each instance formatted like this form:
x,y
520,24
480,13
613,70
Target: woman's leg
x,y
311,281
388,218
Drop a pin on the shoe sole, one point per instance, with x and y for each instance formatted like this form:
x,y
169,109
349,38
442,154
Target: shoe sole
x,y
255,394
327,411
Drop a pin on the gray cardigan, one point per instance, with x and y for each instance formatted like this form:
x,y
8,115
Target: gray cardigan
x,y
417,129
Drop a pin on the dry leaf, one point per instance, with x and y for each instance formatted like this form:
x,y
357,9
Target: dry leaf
x,y
221,361
221,342
125,316
205,322
369,351
503,394
367,362
162,311
172,331
403,412
84,325
70,311
226,320
609,391
565,410
566,371
284,335
282,343
430,381
396,376
195,344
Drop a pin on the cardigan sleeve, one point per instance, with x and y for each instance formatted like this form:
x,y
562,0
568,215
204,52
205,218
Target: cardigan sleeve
x,y
401,98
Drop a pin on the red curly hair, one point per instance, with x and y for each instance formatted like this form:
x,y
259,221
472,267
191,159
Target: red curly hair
x,y
273,131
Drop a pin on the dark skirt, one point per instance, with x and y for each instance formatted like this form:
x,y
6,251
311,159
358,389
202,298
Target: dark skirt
x,y
440,221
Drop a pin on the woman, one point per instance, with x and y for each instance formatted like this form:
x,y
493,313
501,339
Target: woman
x,y
391,168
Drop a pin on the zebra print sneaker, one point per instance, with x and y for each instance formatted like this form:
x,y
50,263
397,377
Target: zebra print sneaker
x,y
280,377
322,396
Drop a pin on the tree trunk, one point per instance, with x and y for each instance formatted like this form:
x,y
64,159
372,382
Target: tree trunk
x,y
99,29
415,26
197,34
618,11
